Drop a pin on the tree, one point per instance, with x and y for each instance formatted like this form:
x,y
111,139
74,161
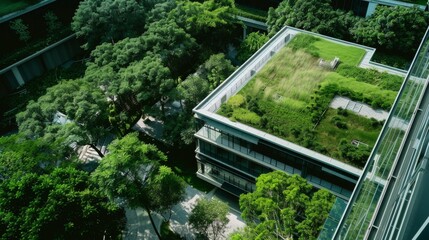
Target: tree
x,y
204,19
393,29
216,69
21,29
252,43
84,107
99,21
126,171
18,154
116,55
166,190
53,25
145,81
279,204
316,212
311,15
177,51
209,218
57,205
193,90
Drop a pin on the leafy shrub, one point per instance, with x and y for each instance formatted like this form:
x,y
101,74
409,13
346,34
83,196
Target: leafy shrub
x,y
342,112
237,101
356,154
382,79
246,116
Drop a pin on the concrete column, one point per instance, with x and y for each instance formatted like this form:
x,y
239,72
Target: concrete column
x,y
18,76
371,9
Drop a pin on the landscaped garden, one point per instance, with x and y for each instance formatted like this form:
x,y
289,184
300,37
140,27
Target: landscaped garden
x,y
290,98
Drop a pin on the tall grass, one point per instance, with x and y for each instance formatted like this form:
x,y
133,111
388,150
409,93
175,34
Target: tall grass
x,y
289,75
291,94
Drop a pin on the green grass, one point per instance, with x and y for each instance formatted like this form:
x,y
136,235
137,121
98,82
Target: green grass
x,y
10,6
358,128
290,96
347,54
318,47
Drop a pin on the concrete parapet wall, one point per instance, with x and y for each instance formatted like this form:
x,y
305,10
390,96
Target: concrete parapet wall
x,y
17,74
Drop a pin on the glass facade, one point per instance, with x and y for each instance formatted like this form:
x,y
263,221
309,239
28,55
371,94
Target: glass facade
x,y
372,184
230,152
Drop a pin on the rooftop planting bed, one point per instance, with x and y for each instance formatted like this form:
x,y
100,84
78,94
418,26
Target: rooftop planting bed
x,y
290,96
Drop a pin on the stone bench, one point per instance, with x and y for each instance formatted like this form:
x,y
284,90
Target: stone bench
x,y
329,65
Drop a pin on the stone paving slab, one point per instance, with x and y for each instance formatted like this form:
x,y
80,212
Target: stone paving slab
x,y
359,108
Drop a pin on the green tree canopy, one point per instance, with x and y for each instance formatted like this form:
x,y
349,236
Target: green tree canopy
x,y
393,28
125,173
58,205
209,218
311,15
84,106
21,29
215,70
166,190
176,47
21,155
192,90
99,21
252,43
282,206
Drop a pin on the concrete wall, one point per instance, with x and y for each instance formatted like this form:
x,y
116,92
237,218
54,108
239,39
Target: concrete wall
x,y
17,74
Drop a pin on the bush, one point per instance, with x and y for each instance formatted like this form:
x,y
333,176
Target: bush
x,y
382,79
246,116
342,112
356,154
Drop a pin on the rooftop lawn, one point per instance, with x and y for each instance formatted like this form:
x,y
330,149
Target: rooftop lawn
x,y
290,98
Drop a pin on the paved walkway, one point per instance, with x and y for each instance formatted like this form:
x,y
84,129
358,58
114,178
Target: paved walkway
x,y
359,108
139,226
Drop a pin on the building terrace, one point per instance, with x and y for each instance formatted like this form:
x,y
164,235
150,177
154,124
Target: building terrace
x,y
276,115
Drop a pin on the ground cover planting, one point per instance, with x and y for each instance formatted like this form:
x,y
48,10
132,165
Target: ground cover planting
x,y
290,96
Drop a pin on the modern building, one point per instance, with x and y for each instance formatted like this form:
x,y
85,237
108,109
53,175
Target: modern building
x,y
231,155
390,199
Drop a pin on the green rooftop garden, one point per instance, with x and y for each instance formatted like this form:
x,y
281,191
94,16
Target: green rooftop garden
x,y
290,98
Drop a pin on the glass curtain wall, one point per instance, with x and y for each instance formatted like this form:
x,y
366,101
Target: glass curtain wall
x,y
360,210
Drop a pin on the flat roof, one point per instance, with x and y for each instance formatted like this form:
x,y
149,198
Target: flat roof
x,y
207,108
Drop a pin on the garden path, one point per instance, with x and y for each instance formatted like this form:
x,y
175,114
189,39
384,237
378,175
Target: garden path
x,y
359,108
139,227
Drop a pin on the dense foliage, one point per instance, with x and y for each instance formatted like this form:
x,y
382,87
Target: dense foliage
x,y
396,30
393,29
209,218
84,122
314,15
58,205
252,43
283,206
99,21
44,195
131,173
